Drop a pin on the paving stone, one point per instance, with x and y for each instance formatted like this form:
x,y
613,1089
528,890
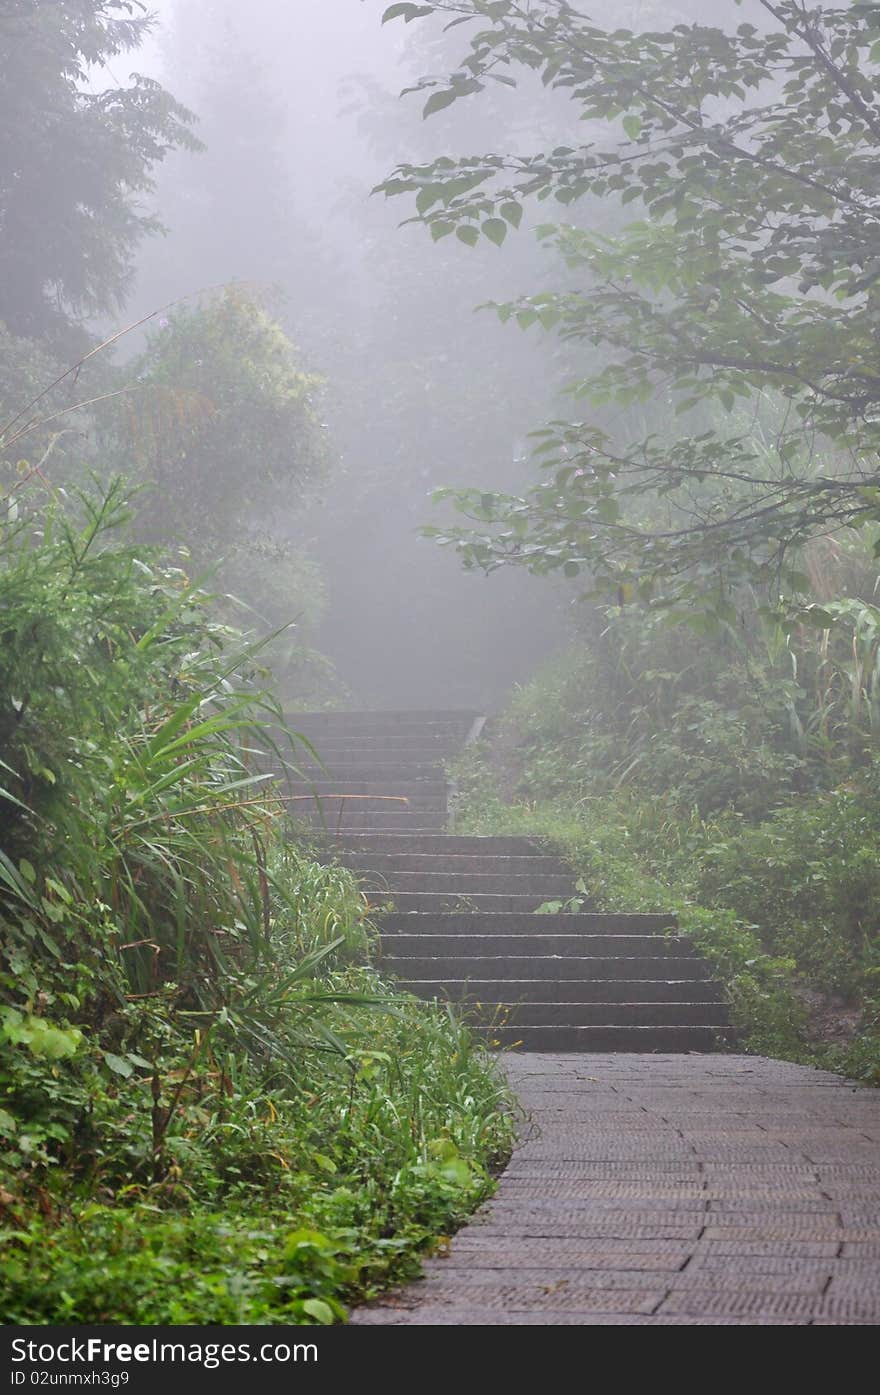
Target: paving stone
x,y
669,1191
769,1231
763,1264
547,1279
577,1189
741,1281
536,1298
579,1260
781,1249
585,1228
517,1247
785,1204
771,1305
638,1206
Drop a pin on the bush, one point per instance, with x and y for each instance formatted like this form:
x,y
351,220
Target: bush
x,y
220,422
787,909
810,876
622,868
657,711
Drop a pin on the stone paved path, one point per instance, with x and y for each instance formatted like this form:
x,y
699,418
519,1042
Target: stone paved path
x,y
670,1189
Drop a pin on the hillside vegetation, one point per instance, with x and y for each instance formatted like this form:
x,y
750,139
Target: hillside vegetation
x,y
730,776
213,1109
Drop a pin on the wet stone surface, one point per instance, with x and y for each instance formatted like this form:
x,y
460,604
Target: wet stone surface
x,y
669,1190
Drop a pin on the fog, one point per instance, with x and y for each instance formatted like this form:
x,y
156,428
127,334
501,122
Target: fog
x,y
299,109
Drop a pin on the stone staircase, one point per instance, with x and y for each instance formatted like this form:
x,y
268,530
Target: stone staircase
x,y
458,913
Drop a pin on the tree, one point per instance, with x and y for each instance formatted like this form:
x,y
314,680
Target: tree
x,y
219,423
752,280
75,161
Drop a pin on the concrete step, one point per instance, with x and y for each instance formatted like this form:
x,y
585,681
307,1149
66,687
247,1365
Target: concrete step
x,y
346,811
462,925
430,788
355,818
455,864
448,903
372,771
521,947
586,923
426,735
672,1014
457,884
348,717
557,969
592,990
384,747
379,756
425,841
351,724
557,1038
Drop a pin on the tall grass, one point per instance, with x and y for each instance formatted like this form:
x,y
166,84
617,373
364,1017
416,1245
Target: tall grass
x,y
134,813
188,1017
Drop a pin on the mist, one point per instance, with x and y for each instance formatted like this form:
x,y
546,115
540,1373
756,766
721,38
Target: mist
x,y
299,111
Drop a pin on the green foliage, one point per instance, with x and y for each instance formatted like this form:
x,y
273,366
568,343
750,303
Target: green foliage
x,y
626,868
317,1190
740,717
222,422
188,1018
75,160
811,874
671,802
749,280
219,422
660,710
31,438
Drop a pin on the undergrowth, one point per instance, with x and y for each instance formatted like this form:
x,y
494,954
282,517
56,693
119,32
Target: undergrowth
x,y
780,890
213,1109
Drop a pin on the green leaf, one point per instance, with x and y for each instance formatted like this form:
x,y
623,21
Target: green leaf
x,y
118,1064
425,197
633,126
512,212
408,12
319,1310
818,617
468,234
10,875
296,1238
496,230
437,101
456,1171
